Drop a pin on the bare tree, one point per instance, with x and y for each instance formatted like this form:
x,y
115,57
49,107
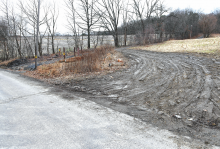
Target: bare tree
x,y
171,24
181,23
109,11
144,10
13,43
71,20
22,25
217,14
125,21
51,24
207,24
3,39
160,19
30,10
87,17
5,29
40,41
15,33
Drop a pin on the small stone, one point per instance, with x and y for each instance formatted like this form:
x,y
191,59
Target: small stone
x,y
190,119
121,100
83,89
160,112
178,116
172,103
94,93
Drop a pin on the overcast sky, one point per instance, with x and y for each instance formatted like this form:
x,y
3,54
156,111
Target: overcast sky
x,y
207,6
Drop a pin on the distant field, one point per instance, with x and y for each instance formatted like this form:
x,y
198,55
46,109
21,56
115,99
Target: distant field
x,y
68,42
205,45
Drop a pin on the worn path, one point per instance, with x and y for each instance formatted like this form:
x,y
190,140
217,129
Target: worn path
x,y
33,117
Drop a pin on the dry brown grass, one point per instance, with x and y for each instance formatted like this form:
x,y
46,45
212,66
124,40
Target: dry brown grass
x,y
50,70
89,61
206,45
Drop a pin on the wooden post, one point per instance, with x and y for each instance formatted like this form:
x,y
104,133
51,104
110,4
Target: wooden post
x,y
59,51
74,51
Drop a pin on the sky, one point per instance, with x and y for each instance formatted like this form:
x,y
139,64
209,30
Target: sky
x,y
206,6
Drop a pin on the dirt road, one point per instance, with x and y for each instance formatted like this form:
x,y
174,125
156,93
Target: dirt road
x,y
179,92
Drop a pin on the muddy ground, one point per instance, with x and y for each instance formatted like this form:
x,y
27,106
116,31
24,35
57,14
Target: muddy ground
x,y
174,91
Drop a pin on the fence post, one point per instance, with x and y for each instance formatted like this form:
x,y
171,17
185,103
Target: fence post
x,y
59,51
74,51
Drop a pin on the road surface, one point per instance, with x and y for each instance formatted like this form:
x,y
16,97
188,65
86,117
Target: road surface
x,y
33,117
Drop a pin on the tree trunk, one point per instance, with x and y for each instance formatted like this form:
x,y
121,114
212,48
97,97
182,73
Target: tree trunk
x,y
40,47
88,37
52,38
142,24
125,37
116,41
48,41
5,51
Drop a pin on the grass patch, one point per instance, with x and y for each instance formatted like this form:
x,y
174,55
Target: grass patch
x,y
205,45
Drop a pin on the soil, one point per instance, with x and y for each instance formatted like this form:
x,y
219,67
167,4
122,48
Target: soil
x,y
175,91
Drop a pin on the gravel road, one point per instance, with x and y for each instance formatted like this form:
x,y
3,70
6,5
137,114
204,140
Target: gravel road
x,y
178,92
32,116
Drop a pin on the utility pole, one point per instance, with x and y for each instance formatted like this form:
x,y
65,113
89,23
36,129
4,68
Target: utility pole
x,y
36,42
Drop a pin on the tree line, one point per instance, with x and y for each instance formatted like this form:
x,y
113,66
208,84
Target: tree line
x,y
148,21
